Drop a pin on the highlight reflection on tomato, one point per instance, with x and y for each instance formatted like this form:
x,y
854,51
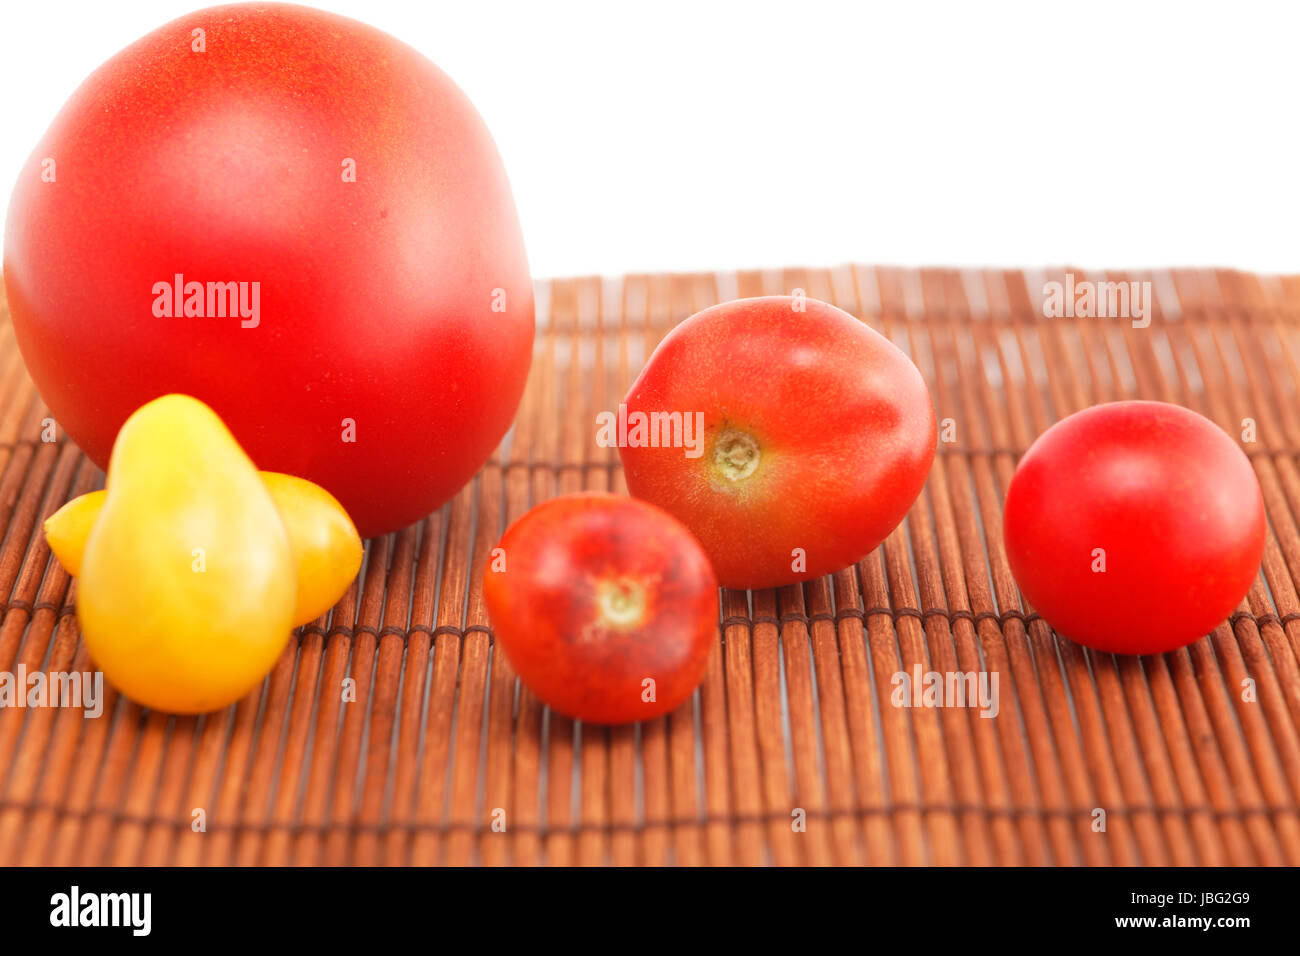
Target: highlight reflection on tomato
x,y
1134,527
605,606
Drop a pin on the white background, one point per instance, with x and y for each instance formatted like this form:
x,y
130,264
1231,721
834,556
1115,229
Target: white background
x,y
698,135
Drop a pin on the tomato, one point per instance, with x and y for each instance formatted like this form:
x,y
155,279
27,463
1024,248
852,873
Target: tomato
x,y
378,328
187,586
805,437
1134,527
605,606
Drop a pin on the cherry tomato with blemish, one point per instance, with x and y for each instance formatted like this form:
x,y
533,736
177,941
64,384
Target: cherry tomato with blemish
x,y
1134,527
605,606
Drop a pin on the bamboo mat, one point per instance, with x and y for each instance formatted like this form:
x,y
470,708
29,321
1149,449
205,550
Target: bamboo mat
x,y
791,752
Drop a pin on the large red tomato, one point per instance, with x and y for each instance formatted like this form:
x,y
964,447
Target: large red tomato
x,y
343,174
1134,527
787,435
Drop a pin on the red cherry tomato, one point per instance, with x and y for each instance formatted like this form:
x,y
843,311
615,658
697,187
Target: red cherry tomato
x,y
605,606
343,173
817,436
1134,527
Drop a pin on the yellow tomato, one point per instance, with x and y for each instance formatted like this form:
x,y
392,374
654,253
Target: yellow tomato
x,y
326,548
187,590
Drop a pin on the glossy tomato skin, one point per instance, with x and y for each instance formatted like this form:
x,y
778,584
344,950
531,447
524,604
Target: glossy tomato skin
x,y
591,595
1164,496
818,436
399,302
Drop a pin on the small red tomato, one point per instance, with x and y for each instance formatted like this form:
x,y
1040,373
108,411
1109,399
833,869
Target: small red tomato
x,y
1134,527
787,435
605,606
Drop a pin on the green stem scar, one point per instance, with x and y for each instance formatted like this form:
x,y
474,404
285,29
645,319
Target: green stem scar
x,y
735,455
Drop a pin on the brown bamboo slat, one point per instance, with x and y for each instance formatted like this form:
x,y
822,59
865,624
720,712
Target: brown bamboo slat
x,y
393,731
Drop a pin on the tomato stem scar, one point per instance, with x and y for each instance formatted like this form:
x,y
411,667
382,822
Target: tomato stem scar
x,y
621,602
735,455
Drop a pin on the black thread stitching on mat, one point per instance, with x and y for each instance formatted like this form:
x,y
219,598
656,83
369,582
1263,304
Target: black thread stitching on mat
x,y
18,604
879,610
768,817
1261,619
953,449
398,630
